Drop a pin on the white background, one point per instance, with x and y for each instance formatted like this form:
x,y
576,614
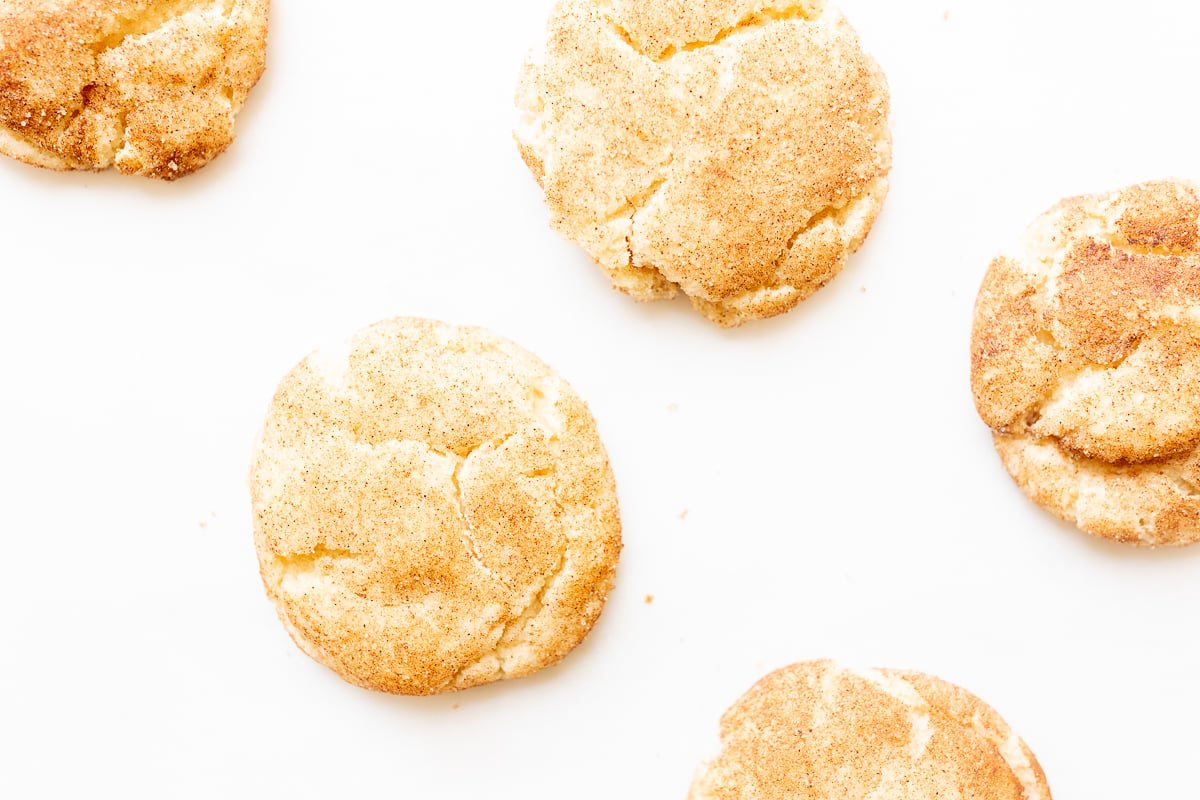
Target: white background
x,y
817,485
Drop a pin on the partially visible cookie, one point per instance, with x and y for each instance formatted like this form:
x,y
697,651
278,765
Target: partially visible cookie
x,y
151,87
818,731
734,150
433,509
1085,362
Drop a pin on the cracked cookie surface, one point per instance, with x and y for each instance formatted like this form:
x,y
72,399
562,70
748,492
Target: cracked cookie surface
x,y
1085,362
734,150
433,509
151,87
818,731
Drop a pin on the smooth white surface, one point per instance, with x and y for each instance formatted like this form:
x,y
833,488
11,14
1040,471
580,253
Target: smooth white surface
x,y
817,485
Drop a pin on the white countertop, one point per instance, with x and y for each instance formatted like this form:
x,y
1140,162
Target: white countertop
x,y
817,485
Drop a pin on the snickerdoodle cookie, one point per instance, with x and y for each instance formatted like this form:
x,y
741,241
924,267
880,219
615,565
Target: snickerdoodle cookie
x,y
817,731
149,86
433,509
1085,362
734,150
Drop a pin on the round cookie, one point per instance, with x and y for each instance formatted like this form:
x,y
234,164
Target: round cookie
x,y
149,86
821,732
433,509
1085,362
734,150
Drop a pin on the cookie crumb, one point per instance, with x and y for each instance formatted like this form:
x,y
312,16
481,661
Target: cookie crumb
x,y
649,599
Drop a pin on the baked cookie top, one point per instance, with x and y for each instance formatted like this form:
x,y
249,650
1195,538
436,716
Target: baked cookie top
x,y
818,731
149,86
734,150
1085,362
433,509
